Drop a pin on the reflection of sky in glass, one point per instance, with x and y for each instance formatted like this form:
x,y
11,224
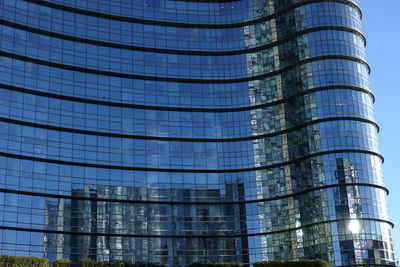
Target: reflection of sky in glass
x,y
275,162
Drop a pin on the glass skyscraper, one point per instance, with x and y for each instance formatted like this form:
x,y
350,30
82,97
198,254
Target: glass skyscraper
x,y
176,131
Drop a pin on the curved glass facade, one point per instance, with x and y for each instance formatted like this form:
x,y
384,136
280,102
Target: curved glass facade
x,y
180,131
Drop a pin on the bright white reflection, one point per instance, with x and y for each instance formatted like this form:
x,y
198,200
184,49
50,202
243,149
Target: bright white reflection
x,y
354,226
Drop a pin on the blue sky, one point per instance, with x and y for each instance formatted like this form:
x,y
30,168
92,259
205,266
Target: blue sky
x,y
381,26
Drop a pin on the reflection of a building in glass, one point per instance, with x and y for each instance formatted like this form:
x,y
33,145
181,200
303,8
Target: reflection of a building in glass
x,y
177,131
57,212
348,205
133,212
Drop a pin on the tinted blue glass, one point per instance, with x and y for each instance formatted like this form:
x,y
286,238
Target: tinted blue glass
x,y
182,131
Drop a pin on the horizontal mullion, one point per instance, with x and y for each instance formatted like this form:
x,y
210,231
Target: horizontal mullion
x,y
189,25
184,109
182,80
191,236
195,202
170,170
177,51
182,139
